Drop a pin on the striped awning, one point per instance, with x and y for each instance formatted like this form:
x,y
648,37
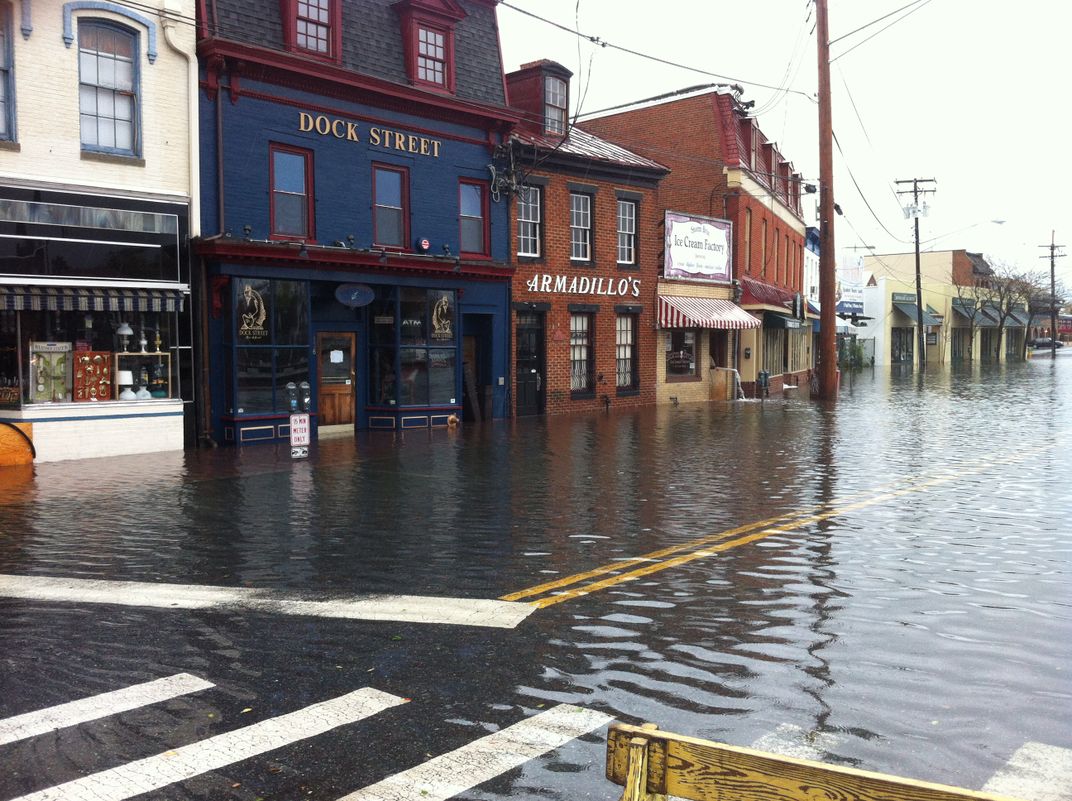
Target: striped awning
x,y
70,298
681,312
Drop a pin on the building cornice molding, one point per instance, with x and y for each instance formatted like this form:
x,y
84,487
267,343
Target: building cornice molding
x,y
295,71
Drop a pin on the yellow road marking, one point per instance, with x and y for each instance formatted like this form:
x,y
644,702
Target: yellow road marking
x,y
789,522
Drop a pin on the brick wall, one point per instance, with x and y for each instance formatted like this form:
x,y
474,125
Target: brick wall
x,y
688,137
555,261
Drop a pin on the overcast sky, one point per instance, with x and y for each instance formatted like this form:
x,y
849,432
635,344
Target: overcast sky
x,y
972,93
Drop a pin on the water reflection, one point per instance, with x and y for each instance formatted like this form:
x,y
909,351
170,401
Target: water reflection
x,y
906,622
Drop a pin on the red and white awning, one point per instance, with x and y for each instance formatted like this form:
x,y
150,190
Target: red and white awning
x,y
681,312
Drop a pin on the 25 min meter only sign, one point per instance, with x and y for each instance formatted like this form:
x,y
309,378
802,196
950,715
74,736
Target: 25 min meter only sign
x,y
300,436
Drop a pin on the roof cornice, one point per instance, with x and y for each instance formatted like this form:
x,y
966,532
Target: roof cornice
x,y
289,69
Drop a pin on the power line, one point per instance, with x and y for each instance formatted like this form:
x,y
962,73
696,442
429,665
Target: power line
x,y
880,30
864,197
874,21
603,43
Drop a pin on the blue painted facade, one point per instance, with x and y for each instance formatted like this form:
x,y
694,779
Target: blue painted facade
x,y
344,129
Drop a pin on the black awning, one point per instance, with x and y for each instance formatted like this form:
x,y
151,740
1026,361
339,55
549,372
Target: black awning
x,y
14,297
912,310
772,320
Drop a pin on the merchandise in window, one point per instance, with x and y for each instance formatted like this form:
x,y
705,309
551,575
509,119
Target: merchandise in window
x,y
390,206
108,101
681,354
580,227
528,221
291,206
86,356
474,234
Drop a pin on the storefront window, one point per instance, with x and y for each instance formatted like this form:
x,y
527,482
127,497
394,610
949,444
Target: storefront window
x,y
67,356
426,371
681,353
271,324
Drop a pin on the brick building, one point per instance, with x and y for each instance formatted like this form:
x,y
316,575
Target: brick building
x,y
722,167
586,244
98,160
352,240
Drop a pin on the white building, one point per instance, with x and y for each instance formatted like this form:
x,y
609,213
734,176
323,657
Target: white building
x,y
98,160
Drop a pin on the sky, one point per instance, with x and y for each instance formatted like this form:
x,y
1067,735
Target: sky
x,y
972,93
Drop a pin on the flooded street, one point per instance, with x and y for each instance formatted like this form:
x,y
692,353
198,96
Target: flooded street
x,y
883,584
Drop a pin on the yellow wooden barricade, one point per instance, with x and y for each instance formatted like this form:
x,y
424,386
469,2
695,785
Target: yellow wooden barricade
x,y
652,764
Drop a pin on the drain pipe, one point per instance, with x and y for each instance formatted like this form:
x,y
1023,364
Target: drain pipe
x,y
167,22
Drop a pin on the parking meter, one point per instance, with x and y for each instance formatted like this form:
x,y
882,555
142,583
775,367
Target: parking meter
x,y
306,396
292,396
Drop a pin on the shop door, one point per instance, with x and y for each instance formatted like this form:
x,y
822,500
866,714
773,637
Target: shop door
x,y
335,394
530,363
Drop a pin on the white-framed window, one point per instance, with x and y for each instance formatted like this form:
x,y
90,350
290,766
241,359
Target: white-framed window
x,y
108,87
313,26
581,358
625,344
7,87
627,232
554,105
580,227
431,56
528,221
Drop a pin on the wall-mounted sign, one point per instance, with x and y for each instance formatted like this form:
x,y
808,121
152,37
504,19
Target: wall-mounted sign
x,y
903,297
697,247
354,295
584,285
379,137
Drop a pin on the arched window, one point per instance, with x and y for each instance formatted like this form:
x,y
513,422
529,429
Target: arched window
x,y
108,87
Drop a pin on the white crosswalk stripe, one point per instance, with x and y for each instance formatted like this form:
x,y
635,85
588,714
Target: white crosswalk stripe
x,y
397,608
449,774
1036,772
152,773
793,741
94,707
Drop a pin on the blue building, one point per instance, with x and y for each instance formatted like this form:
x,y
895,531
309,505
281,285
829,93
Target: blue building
x,y
353,236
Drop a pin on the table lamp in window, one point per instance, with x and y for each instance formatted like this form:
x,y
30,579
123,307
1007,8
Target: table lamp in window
x,y
124,379
125,332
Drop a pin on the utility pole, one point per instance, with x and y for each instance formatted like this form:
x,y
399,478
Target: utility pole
x,y
915,211
1053,292
827,272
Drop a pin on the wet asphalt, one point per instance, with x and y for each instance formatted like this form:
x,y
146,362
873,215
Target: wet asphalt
x,y
921,630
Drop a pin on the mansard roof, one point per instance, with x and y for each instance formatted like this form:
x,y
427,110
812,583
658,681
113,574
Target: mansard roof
x,y
372,39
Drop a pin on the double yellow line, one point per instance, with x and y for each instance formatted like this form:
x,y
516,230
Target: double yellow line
x,y
610,575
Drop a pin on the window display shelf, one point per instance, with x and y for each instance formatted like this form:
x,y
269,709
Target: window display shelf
x,y
149,375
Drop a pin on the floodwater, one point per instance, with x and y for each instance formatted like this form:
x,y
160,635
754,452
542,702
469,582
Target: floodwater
x,y
904,608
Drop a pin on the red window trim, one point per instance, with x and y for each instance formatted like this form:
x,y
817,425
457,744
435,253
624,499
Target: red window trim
x,y
310,205
289,11
485,208
404,172
416,14
448,57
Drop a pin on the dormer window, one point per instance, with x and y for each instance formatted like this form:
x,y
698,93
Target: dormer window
x,y
313,27
428,40
554,105
431,56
